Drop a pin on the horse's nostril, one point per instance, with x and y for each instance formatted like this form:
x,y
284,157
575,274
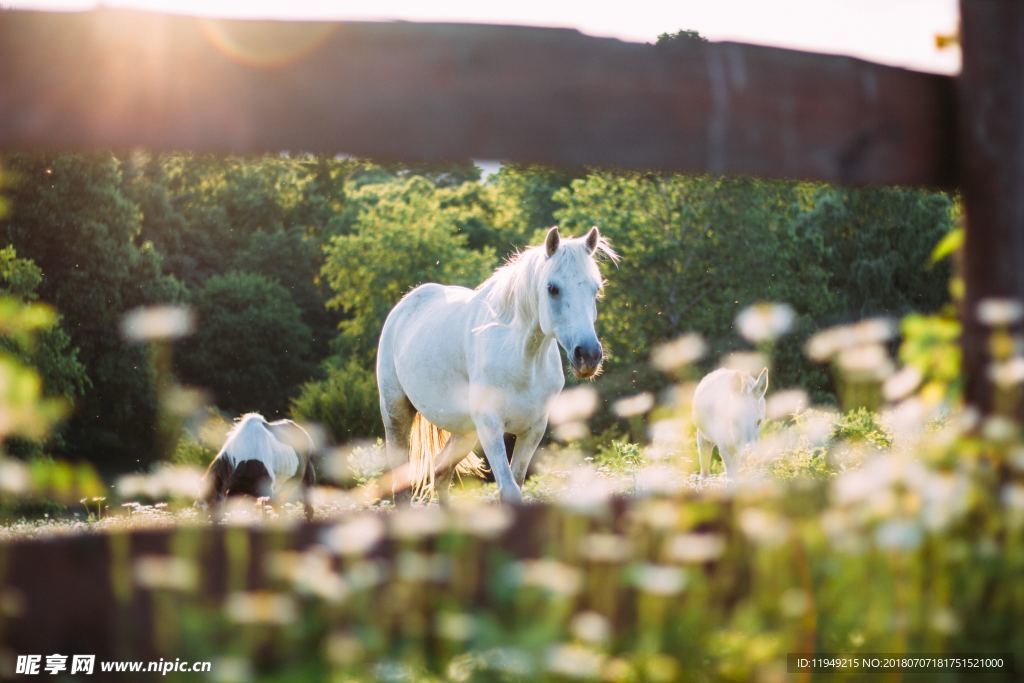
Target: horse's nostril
x,y
577,353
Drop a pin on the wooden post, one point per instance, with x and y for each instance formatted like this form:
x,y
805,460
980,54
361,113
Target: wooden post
x,y
991,140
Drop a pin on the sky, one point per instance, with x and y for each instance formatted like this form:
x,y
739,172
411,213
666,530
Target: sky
x,y
897,32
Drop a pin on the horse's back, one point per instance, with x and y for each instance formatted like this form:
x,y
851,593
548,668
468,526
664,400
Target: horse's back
x,y
714,392
422,352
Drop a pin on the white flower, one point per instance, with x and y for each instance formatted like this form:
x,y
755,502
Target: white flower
x,y
901,384
575,661
14,477
999,312
695,548
764,322
784,403
684,350
166,573
261,607
573,405
898,534
457,626
550,575
590,627
1007,374
157,322
865,363
659,579
411,523
356,536
764,527
606,548
750,362
634,405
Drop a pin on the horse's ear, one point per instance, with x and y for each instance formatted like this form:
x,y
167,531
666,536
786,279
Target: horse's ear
x,y
761,385
593,237
551,241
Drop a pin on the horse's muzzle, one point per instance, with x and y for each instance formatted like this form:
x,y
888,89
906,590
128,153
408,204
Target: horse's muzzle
x,y
586,360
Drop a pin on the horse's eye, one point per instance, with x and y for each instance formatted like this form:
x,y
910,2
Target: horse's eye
x,y
553,290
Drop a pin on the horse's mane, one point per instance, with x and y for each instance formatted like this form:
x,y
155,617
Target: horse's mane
x,y
511,291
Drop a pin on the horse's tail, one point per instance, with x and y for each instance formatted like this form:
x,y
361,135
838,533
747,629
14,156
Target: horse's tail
x,y
426,441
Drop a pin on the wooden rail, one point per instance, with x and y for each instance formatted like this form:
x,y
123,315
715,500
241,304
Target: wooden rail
x,y
432,92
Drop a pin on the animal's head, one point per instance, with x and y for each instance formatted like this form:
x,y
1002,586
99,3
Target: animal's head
x,y
570,285
750,408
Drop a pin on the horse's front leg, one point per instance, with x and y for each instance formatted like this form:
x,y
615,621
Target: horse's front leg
x,y
491,432
526,446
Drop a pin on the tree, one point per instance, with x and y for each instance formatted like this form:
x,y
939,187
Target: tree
x,y
402,238
70,216
251,348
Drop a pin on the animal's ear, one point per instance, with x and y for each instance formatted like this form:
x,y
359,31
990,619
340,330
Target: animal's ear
x,y
593,237
551,241
761,385
740,382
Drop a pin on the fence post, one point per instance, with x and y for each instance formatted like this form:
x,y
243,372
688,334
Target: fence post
x,y
991,170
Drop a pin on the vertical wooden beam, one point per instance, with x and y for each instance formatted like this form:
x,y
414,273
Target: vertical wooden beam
x,y
991,138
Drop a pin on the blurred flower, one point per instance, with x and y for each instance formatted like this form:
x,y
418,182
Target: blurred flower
x,y
574,661
311,572
571,431
750,362
14,477
1008,373
158,572
684,350
999,428
590,627
898,534
824,345
480,519
606,548
901,384
573,405
794,602
587,491
356,536
659,480
261,607
784,403
550,575
157,322
999,312
865,363
231,669
458,626
659,579
695,548
764,527
632,406
765,321
420,568
412,523
343,649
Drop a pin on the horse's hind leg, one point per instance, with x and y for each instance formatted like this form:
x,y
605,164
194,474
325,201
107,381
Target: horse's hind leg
x,y
397,412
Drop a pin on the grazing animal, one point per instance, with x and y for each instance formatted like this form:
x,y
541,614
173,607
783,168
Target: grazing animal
x,y
728,407
256,457
457,367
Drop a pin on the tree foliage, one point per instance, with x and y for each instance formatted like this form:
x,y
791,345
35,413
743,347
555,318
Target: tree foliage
x,y
251,348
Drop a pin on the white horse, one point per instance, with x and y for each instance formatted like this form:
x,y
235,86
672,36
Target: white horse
x,y
256,456
728,408
479,363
